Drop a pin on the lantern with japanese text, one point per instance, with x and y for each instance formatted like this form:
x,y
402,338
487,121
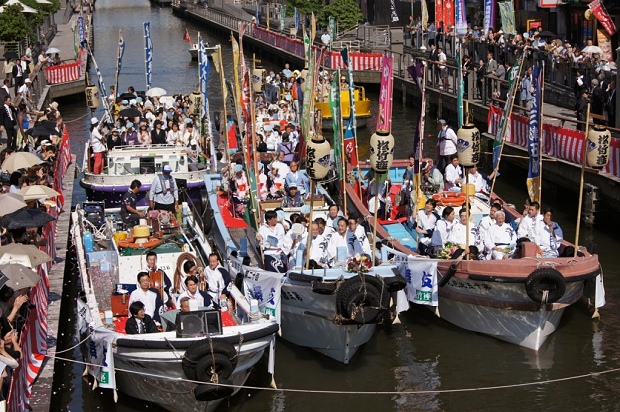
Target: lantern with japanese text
x,y
92,96
195,103
381,151
599,139
468,145
317,157
258,80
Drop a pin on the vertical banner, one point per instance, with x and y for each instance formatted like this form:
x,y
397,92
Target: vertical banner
x,y
350,132
507,14
533,138
460,17
604,42
235,49
121,53
282,18
460,88
602,16
306,116
148,53
448,15
332,30
488,12
334,108
424,14
394,14
81,34
203,62
438,13
384,119
417,74
504,122
296,21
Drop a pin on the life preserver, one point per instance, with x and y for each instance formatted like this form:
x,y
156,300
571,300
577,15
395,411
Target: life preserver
x,y
365,302
130,242
545,279
198,360
450,198
209,392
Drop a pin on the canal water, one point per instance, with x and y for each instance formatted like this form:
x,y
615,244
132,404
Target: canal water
x,y
430,363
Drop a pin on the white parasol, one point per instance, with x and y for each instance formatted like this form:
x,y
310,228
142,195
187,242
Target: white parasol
x,y
37,192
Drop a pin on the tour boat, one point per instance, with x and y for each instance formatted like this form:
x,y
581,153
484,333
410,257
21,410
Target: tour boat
x,y
332,311
362,108
500,298
173,368
193,51
127,163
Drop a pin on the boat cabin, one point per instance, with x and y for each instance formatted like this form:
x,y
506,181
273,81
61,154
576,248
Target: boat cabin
x,y
135,160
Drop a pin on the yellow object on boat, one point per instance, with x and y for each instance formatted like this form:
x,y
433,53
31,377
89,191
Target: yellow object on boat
x,y
118,236
362,104
141,231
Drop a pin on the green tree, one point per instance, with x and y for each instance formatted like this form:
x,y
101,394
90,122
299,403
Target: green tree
x,y
304,7
35,20
347,14
13,24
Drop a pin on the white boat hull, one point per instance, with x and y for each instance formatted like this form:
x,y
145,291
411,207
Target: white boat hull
x,y
499,313
307,320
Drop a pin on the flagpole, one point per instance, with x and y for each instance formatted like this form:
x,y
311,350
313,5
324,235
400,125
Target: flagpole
x,y
254,199
418,181
343,154
505,126
540,132
584,155
118,54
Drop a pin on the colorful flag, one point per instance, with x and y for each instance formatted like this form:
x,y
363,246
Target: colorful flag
x,y
488,16
306,115
350,135
513,81
256,14
448,15
393,12
148,52
81,32
384,119
334,108
215,56
332,30
438,13
186,36
119,57
507,13
533,137
235,49
601,14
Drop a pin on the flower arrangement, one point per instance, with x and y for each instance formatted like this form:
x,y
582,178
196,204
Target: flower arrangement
x,y
358,264
447,251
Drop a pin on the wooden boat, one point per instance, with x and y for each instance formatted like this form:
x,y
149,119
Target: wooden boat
x,y
127,163
362,108
158,367
500,298
315,304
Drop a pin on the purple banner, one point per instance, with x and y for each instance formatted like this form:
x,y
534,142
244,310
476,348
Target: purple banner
x,y
384,120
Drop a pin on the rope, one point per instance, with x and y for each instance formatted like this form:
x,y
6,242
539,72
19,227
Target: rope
x,y
391,393
79,343
75,120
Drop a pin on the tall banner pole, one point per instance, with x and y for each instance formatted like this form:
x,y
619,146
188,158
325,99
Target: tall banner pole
x,y
584,154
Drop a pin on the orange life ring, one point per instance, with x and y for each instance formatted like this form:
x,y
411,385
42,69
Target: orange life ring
x,y
130,242
450,198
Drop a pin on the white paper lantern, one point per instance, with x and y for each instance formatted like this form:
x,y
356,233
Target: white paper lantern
x,y
195,103
317,157
468,145
258,80
92,96
381,151
599,139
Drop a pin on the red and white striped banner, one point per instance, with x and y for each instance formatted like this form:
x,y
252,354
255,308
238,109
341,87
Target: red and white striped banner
x,y
359,61
33,338
560,142
64,73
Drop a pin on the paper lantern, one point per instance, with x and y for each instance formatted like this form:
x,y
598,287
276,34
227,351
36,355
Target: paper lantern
x,y
381,151
317,157
92,96
599,139
258,80
468,145
195,103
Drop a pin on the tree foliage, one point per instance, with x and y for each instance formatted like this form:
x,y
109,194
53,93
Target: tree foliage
x,y
13,24
35,20
304,6
347,14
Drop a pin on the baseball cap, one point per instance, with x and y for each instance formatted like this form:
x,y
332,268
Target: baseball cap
x,y
167,169
193,142
441,122
94,120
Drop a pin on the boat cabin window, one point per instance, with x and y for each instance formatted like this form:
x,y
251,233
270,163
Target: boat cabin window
x,y
147,165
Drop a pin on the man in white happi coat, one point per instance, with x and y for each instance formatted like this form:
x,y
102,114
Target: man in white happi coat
x,y
529,223
343,238
549,235
274,243
443,227
197,297
316,250
359,232
500,240
488,221
217,278
476,178
454,175
458,234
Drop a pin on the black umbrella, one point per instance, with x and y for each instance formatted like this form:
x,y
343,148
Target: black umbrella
x,y
127,96
25,218
10,55
130,112
43,129
546,33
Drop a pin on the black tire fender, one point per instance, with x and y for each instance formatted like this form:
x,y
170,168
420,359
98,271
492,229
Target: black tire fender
x,y
202,349
395,283
218,361
210,392
362,306
545,279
